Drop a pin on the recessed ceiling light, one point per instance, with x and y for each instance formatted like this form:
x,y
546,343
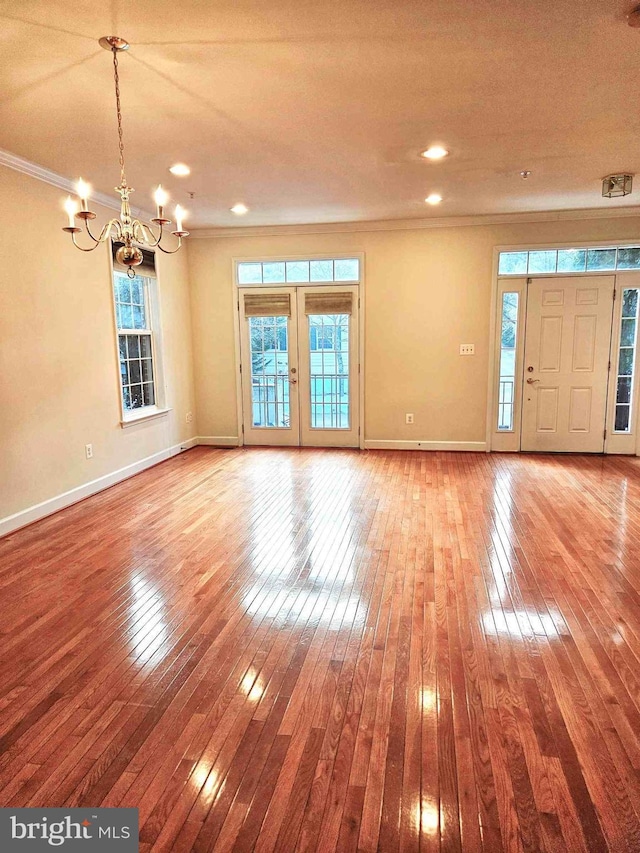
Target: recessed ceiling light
x,y
180,169
434,198
434,152
239,209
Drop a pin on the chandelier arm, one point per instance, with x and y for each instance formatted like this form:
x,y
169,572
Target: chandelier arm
x,y
143,233
82,249
104,234
152,241
99,239
170,251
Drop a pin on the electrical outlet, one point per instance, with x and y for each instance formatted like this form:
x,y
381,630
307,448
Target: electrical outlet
x,y
189,417
88,449
467,349
408,418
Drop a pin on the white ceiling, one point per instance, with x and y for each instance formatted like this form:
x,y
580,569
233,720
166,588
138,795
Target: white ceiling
x,y
315,110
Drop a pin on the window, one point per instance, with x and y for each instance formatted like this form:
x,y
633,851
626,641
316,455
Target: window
x,y
507,379
138,328
552,261
321,337
135,341
299,272
626,358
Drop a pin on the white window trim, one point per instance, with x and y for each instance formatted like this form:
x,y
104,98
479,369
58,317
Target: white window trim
x,y
235,287
147,413
129,418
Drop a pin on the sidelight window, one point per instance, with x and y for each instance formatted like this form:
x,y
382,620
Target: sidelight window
x,y
508,340
626,359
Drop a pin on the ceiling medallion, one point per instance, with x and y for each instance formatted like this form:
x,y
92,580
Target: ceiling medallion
x,y
125,229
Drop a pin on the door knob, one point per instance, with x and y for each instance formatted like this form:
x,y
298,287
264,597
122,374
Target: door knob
x,y
293,381
531,381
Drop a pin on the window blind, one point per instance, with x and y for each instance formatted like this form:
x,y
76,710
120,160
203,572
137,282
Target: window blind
x,y
328,303
267,305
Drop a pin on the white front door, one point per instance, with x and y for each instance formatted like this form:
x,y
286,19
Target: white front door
x,y
299,365
566,363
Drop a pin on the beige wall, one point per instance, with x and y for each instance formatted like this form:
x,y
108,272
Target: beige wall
x,y
427,291
58,365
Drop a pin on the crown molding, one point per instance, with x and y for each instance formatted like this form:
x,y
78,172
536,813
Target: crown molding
x,y
415,224
40,173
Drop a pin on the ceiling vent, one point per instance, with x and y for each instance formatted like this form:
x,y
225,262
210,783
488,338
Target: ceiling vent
x,y
615,186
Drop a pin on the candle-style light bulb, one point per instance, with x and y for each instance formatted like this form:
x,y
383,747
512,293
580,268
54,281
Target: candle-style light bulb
x,y
84,191
180,214
72,208
161,197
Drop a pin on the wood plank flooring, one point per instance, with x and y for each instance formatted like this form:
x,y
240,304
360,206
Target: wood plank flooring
x,y
321,650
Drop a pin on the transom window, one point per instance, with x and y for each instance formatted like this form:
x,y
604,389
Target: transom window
x,y
135,341
552,261
299,272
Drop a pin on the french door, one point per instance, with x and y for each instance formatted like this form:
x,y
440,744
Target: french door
x,y
299,365
566,363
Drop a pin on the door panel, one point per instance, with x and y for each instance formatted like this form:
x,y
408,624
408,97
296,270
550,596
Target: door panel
x,y
269,352
568,338
329,378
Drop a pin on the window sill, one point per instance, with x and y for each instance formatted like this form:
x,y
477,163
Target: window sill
x,y
147,414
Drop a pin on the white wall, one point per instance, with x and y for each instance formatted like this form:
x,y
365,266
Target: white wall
x,y
59,378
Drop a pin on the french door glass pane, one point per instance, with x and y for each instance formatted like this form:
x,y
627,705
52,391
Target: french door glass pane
x,y
329,370
269,341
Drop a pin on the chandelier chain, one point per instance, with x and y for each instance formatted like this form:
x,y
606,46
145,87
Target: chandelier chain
x,y
123,179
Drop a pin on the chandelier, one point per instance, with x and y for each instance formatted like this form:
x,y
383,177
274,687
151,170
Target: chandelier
x,y
125,230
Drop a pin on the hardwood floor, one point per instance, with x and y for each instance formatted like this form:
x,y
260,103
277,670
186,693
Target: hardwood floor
x,y
324,650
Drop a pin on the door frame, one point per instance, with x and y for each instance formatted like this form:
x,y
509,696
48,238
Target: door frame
x,y
235,287
511,441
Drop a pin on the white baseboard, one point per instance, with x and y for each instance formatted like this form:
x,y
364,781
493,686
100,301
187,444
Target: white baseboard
x,y
219,440
187,445
48,507
38,511
379,444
